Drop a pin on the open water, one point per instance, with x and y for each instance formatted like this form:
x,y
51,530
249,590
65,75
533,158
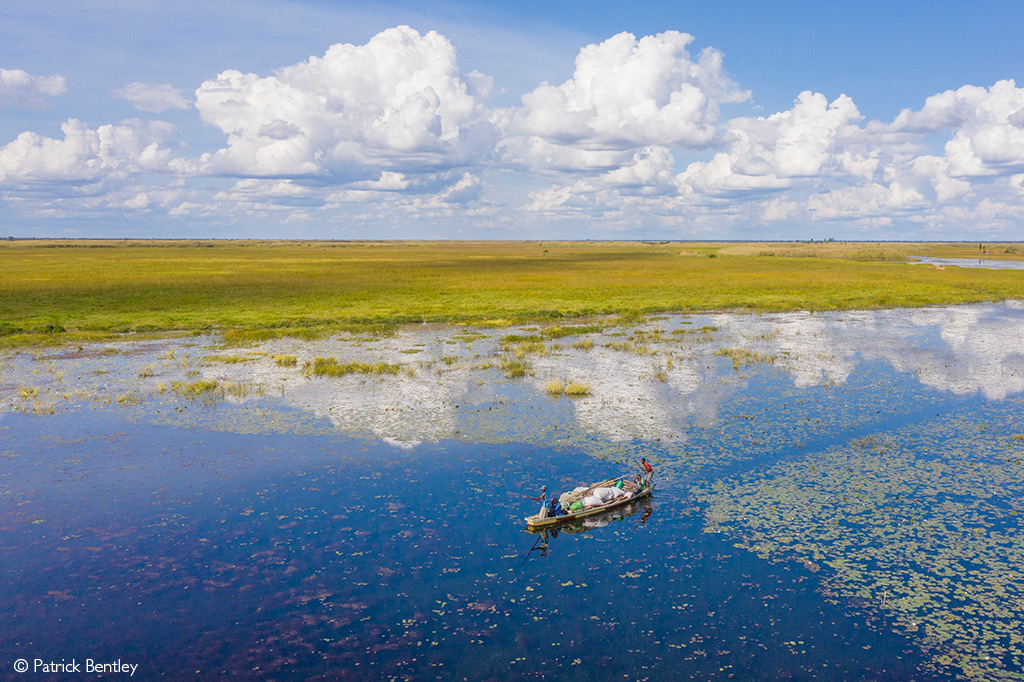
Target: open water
x,y
839,498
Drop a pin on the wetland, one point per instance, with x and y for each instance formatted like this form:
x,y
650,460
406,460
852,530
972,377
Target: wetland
x,y
839,497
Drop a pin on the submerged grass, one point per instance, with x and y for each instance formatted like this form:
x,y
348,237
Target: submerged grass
x,y
56,291
741,357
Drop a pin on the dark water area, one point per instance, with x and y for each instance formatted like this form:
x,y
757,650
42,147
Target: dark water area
x,y
210,554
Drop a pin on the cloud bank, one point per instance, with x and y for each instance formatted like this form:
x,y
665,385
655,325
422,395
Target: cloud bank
x,y
396,132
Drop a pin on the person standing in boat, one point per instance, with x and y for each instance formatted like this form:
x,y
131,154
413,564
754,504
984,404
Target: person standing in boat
x,y
648,471
543,514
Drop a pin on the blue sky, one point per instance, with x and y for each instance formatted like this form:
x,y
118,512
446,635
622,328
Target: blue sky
x,y
526,120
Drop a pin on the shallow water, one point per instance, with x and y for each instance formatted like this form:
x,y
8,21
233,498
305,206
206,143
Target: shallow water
x,y
839,498
986,263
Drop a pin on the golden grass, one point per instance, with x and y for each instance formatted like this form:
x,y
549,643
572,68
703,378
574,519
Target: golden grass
x,y
554,387
54,291
575,389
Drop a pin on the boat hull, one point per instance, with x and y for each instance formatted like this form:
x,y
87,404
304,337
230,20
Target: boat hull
x,y
535,521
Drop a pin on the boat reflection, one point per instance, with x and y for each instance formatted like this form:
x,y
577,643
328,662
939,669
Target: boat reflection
x,y
641,509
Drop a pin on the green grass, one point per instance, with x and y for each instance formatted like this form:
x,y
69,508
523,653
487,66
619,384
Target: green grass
x,y
192,389
330,367
56,291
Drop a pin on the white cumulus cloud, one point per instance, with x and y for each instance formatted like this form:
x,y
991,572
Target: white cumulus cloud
x,y
987,126
20,89
776,151
398,102
624,93
86,154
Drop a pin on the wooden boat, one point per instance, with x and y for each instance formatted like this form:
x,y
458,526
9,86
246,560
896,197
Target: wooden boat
x,y
633,492
637,505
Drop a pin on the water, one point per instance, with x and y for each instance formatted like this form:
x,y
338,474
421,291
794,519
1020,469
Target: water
x,y
843,501
985,263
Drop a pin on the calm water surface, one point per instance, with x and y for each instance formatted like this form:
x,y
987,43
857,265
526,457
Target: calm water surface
x,y
839,498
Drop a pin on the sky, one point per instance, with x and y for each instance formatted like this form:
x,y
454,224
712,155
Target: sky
x,y
500,120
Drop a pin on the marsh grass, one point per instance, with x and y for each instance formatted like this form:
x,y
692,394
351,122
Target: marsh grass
x,y
576,389
286,360
573,389
554,387
57,291
514,367
228,359
562,332
330,367
210,391
192,389
628,347
741,357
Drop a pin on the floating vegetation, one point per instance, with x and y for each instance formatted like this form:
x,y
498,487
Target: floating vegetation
x,y
147,372
27,392
922,524
330,367
131,398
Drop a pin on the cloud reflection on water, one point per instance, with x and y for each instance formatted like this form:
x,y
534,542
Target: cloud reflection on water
x,y
654,389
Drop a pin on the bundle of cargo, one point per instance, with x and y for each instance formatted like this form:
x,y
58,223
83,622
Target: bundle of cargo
x,y
593,499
